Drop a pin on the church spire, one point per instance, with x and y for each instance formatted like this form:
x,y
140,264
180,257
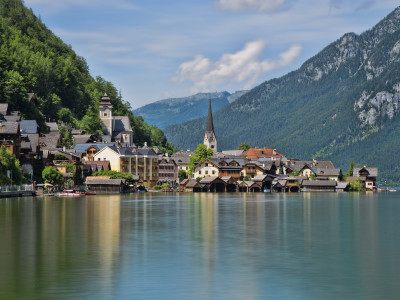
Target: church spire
x,y
210,125
210,139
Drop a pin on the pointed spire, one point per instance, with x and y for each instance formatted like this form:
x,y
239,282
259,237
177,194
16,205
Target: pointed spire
x,y
210,125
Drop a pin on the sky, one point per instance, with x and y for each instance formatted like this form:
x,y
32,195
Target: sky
x,y
157,49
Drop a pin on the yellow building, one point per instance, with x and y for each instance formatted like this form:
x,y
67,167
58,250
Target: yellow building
x,y
142,163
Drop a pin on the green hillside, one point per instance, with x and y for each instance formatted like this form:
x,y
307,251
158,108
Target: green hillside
x,y
33,59
343,103
178,110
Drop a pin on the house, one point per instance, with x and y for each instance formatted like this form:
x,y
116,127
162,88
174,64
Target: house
x,y
319,185
328,174
10,137
105,185
167,171
367,175
141,162
191,186
50,141
182,159
89,150
206,167
256,153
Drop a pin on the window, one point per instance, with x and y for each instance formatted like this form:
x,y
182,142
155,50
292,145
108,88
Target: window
x,y
213,172
206,172
199,172
105,114
206,164
99,158
212,146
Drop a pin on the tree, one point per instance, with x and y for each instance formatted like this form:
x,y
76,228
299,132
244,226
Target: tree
x,y
114,175
67,140
351,167
244,147
52,175
295,173
356,186
182,174
91,122
200,153
10,169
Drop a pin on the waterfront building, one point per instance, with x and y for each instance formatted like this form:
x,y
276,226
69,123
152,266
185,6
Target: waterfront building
x,y
167,171
142,163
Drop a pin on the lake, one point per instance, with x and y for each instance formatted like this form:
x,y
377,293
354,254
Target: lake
x,y
201,246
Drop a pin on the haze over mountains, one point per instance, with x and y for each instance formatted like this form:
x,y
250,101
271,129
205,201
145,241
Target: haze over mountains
x,y
178,110
342,103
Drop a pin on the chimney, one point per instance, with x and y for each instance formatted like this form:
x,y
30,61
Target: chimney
x,y
145,144
274,152
64,149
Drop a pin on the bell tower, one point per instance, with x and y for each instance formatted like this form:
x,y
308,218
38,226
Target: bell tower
x,y
210,140
106,114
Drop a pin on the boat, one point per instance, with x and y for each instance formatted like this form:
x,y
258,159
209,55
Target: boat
x,y
69,193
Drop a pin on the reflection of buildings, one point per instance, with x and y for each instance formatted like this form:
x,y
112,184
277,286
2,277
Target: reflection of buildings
x,y
55,243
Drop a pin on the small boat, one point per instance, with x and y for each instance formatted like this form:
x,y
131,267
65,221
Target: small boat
x,y
69,193
90,193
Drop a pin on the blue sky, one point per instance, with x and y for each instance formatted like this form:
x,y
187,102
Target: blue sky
x,y
157,49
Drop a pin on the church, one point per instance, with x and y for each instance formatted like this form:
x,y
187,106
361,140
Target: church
x,y
116,128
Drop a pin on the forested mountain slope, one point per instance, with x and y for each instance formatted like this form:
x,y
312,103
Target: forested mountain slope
x,y
33,59
178,110
343,103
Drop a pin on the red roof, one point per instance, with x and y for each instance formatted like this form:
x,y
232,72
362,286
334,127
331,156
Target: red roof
x,y
255,153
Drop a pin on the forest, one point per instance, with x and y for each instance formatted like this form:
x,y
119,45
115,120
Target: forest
x,y
34,60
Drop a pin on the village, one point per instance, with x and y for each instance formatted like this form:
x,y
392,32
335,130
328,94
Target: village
x,y
246,170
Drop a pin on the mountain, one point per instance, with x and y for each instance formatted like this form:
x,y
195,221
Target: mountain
x,y
342,103
179,110
34,60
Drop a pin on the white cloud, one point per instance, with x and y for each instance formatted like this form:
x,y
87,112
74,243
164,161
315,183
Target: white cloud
x,y
262,5
243,66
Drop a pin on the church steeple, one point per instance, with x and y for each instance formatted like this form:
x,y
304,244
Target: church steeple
x,y
210,125
210,140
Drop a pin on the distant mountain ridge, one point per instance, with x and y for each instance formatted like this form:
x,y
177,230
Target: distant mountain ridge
x,y
342,103
179,110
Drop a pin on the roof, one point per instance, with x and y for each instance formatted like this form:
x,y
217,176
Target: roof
x,y
373,171
105,164
29,126
330,183
105,181
81,148
105,101
26,145
34,140
50,140
328,172
52,126
121,123
255,153
12,118
133,151
182,157
232,152
184,181
4,109
210,125
260,177
81,138
342,185
320,164
209,179
9,127
193,184
105,138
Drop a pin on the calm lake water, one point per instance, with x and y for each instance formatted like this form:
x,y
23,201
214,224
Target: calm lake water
x,y
201,246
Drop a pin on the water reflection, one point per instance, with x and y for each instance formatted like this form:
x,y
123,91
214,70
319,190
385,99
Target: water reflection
x,y
200,246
